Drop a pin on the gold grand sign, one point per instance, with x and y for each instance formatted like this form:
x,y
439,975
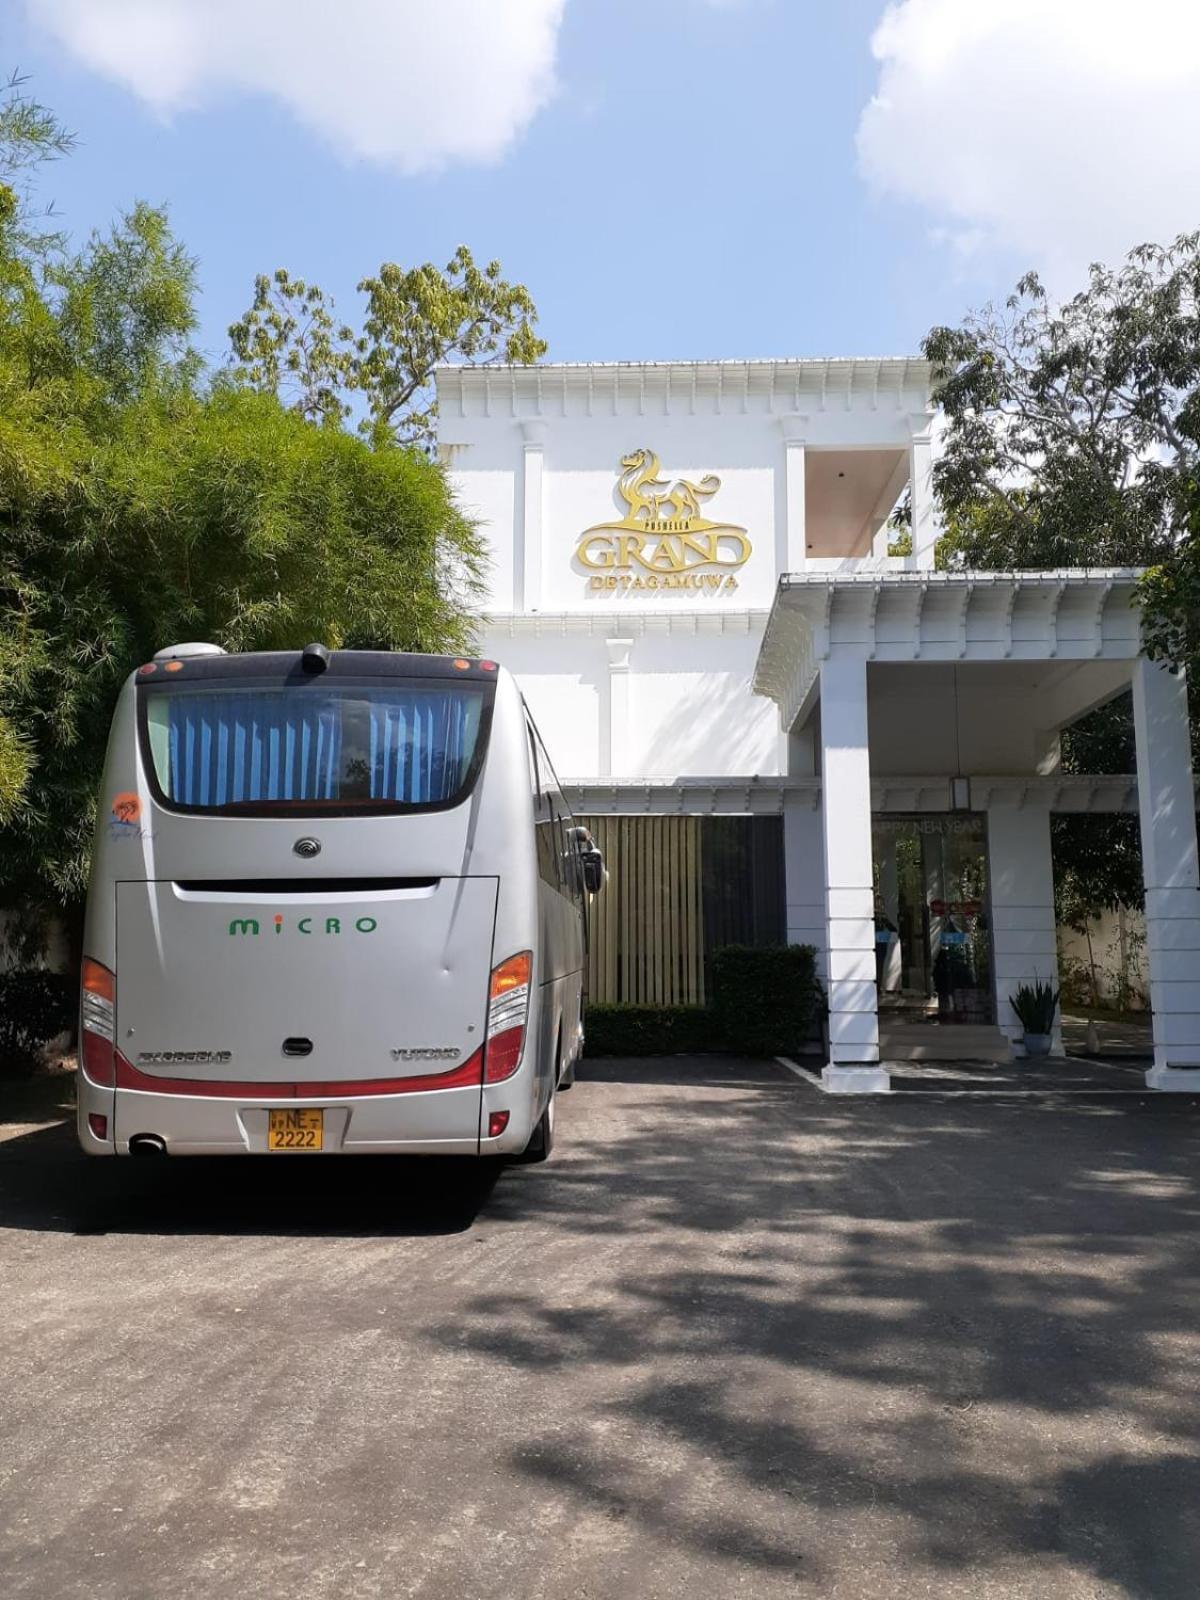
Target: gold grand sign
x,y
664,540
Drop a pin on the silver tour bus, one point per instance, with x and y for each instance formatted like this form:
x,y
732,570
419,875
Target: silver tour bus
x,y
338,903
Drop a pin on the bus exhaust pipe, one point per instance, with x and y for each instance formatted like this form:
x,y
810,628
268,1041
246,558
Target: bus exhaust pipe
x,y
147,1144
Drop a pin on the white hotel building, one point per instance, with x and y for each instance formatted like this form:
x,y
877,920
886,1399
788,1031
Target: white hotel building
x,y
780,732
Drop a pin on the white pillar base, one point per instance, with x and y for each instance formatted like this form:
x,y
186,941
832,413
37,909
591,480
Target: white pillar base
x,y
1174,1080
839,1079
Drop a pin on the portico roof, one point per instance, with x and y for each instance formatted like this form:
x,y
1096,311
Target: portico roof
x,y
1068,615
899,793
781,385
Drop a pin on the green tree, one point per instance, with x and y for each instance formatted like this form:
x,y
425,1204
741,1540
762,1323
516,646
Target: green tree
x,y
30,135
1072,441
287,344
1073,434
126,309
290,344
140,504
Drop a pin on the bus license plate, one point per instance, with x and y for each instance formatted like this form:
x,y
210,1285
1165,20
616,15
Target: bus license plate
x,y
295,1130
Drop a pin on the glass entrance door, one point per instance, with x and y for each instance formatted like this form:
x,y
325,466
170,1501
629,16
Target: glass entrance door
x,y
933,946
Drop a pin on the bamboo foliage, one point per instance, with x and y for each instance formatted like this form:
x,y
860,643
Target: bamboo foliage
x,y
646,929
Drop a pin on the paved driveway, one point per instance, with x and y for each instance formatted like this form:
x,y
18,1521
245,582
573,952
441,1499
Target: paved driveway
x,y
736,1339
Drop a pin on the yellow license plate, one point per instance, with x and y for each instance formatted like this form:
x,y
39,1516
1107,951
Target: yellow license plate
x,y
295,1130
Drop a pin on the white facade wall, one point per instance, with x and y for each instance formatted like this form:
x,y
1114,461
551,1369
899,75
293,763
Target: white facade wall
x,y
804,869
652,681
872,673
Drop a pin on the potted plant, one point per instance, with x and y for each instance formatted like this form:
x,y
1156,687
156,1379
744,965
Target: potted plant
x,y
1035,1005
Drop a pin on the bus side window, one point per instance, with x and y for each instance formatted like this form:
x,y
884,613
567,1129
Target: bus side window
x,y
562,841
560,811
574,862
546,853
544,822
559,864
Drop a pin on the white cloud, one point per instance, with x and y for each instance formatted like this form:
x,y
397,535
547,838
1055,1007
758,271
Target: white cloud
x,y
1064,130
415,84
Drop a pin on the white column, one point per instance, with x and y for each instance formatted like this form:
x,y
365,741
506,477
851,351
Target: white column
x,y
1021,880
804,848
792,549
849,891
925,528
619,651
527,574
1166,804
804,875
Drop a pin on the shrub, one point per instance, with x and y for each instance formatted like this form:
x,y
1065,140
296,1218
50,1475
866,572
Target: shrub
x,y
1035,1005
630,1030
35,1005
767,999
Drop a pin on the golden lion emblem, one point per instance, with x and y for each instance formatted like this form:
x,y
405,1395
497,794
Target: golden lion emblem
x,y
656,505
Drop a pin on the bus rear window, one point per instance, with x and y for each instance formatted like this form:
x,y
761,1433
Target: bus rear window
x,y
394,745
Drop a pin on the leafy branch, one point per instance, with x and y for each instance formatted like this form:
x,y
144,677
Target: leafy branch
x,y
290,344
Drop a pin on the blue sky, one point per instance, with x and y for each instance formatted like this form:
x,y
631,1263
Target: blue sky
x,y
671,178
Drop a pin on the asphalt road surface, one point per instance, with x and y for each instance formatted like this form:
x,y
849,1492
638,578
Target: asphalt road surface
x,y
735,1339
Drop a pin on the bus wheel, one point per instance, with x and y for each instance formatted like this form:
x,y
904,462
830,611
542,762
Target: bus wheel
x,y
541,1140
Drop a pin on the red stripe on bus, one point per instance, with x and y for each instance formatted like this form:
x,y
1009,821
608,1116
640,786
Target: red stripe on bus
x,y
469,1073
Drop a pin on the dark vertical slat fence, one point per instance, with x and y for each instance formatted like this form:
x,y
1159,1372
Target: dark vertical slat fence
x,y
679,888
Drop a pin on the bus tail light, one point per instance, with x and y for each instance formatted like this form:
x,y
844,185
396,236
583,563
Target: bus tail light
x,y
508,1013
97,1023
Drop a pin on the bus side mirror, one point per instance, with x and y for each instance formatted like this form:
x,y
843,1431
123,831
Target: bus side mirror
x,y
593,870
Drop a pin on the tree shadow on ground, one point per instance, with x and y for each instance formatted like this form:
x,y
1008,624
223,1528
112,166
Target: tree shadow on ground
x,y
966,1335
768,1339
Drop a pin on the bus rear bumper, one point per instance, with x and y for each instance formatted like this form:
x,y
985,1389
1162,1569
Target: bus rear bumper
x,y
442,1122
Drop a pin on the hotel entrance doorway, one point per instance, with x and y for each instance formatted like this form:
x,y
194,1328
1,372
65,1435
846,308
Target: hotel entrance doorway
x,y
933,945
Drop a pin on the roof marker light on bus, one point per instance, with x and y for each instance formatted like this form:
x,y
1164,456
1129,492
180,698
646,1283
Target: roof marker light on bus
x,y
174,666
508,1013
460,665
147,669
97,1023
488,666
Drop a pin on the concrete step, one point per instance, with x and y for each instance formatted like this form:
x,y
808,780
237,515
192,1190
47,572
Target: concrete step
x,y
926,1041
